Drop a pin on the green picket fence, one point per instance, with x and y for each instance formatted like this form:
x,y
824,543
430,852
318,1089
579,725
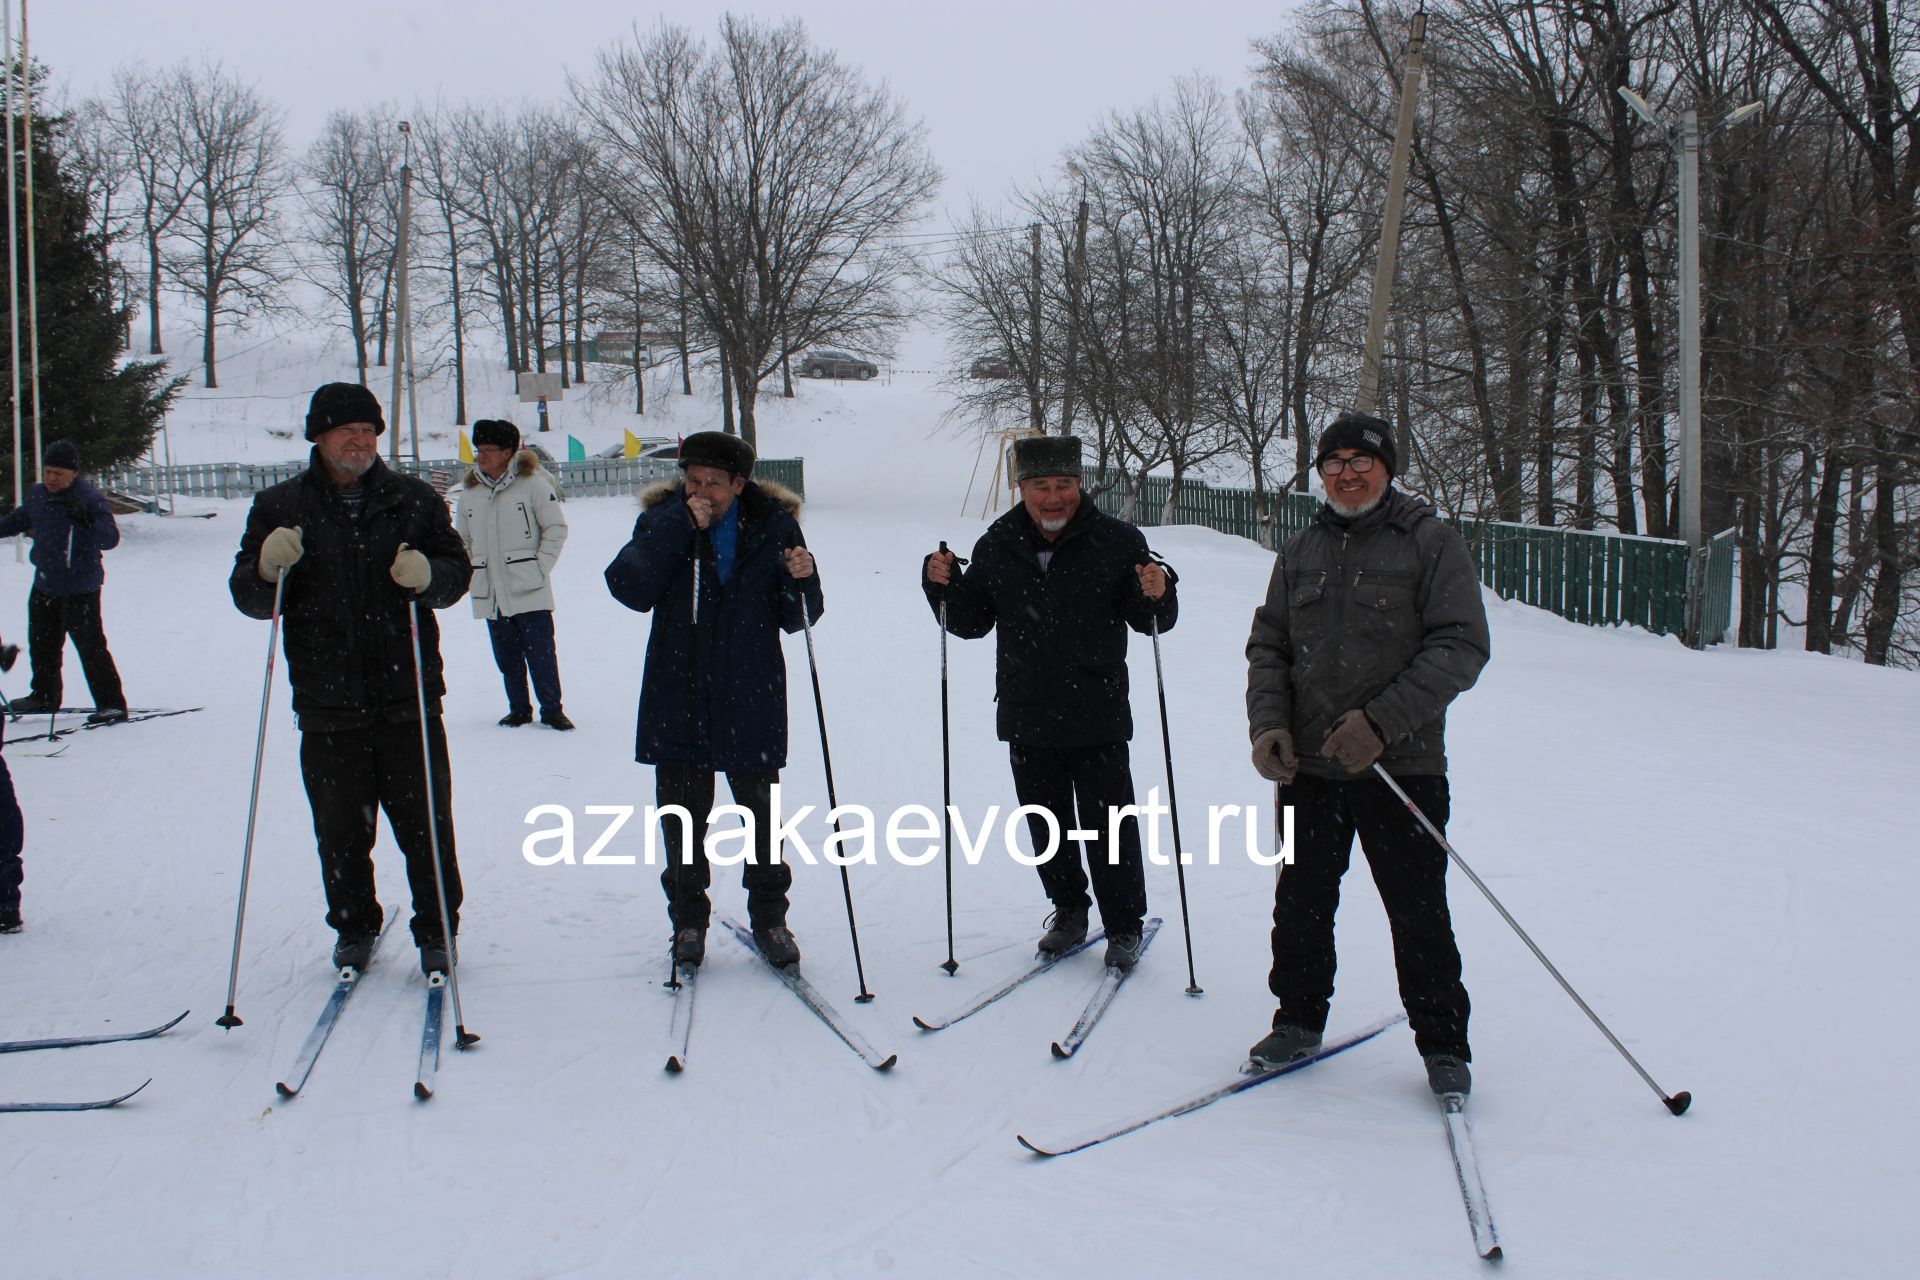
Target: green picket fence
x,y
585,478
1594,578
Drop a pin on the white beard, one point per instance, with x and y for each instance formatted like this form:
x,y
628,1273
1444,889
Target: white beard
x,y
1353,512
1053,526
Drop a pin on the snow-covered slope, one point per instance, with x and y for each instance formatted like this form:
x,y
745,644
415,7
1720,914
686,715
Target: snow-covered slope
x,y
1714,847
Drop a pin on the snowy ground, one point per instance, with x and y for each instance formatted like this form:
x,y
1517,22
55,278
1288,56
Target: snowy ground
x,y
1709,845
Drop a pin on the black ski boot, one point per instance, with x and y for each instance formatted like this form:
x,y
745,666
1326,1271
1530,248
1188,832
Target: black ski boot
x,y
514,719
777,945
107,715
434,958
1123,950
1066,929
1447,1074
10,920
35,705
353,951
1285,1043
556,719
690,947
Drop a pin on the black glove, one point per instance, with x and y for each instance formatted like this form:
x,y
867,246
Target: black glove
x,y
77,511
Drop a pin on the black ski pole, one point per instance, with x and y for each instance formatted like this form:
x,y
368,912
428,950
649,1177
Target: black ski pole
x,y
951,965
230,1019
1675,1102
462,1038
826,758
693,733
1173,810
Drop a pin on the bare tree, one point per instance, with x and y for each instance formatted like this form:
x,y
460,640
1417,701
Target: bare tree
x,y
140,114
229,143
350,171
769,179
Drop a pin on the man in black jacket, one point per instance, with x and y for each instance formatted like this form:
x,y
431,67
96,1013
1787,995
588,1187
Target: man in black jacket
x,y
358,544
1063,582
1372,625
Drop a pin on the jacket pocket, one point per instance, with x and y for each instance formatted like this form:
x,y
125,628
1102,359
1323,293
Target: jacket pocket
x,y
480,585
524,574
1309,591
1383,603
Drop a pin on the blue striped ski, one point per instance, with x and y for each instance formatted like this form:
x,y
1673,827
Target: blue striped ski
x,y
102,1105
680,1030
816,1002
296,1078
1248,1079
74,1042
1109,988
1466,1167
423,1079
1040,965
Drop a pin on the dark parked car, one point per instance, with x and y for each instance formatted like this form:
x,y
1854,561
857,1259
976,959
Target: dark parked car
x,y
992,367
836,364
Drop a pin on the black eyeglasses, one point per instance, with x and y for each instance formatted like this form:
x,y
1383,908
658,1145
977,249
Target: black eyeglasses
x,y
1359,464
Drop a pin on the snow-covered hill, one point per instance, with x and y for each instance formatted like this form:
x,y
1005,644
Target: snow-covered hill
x,y
1714,847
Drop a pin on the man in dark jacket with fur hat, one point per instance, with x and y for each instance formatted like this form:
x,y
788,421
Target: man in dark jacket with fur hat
x,y
1372,625
720,563
358,545
1063,581
71,524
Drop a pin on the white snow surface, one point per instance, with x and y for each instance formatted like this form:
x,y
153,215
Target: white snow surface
x,y
1714,847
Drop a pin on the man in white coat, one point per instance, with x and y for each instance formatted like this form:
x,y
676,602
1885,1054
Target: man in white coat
x,y
512,522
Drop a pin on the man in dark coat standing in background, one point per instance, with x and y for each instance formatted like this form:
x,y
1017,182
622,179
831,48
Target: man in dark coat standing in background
x,y
720,563
71,524
1063,581
1372,625
359,544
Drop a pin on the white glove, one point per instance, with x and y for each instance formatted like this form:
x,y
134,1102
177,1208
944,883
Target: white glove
x,y
279,551
411,570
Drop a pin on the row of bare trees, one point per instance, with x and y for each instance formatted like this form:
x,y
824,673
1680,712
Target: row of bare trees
x,y
744,193
1190,284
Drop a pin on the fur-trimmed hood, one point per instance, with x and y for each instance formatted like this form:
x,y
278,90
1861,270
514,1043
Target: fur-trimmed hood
x,y
655,494
524,464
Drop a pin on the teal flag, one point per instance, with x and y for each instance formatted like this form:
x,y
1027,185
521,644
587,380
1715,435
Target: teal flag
x,y
576,452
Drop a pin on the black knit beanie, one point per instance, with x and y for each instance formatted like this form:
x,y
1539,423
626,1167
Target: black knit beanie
x,y
1360,431
337,404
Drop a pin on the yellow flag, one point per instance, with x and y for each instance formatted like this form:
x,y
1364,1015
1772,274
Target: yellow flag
x,y
633,445
466,448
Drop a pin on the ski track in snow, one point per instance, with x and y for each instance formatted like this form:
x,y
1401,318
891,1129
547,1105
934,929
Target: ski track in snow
x,y
1710,846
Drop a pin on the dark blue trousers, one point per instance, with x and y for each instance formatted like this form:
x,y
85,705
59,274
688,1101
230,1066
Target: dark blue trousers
x,y
523,646
13,833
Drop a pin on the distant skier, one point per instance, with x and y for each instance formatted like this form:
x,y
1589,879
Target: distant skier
x,y
71,524
1372,625
714,694
358,542
513,526
1063,581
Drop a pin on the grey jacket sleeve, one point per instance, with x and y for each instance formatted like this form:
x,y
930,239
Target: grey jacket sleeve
x,y
1270,659
1454,643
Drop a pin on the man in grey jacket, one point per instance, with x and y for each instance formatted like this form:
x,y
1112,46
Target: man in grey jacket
x,y
513,526
1373,623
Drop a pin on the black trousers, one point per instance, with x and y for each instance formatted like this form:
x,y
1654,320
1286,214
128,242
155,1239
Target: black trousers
x,y
13,830
1409,869
686,882
1078,785
50,620
351,774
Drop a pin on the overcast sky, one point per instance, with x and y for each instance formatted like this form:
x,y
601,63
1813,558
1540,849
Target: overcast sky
x,y
1002,87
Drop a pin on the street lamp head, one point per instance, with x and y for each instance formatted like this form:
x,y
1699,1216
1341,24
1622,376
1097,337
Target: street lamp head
x,y
405,127
1639,105
1741,113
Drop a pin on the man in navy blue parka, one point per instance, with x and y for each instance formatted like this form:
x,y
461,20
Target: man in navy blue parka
x,y
714,694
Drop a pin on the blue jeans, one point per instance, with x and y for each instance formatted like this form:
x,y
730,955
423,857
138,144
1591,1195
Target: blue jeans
x,y
523,646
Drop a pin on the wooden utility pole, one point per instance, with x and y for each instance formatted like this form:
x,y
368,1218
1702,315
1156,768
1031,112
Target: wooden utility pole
x,y
402,317
13,273
33,296
1367,395
1076,281
1036,411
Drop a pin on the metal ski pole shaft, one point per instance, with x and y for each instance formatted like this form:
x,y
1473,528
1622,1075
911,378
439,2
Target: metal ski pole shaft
x,y
693,700
1173,811
230,1019
950,964
1675,1102
826,758
462,1038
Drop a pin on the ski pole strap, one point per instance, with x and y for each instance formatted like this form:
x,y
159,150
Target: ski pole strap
x,y
1173,579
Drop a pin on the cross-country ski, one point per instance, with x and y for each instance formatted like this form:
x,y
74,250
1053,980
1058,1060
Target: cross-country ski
x,y
344,986
1042,963
109,1037
835,1020
680,1025
101,1105
1110,983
